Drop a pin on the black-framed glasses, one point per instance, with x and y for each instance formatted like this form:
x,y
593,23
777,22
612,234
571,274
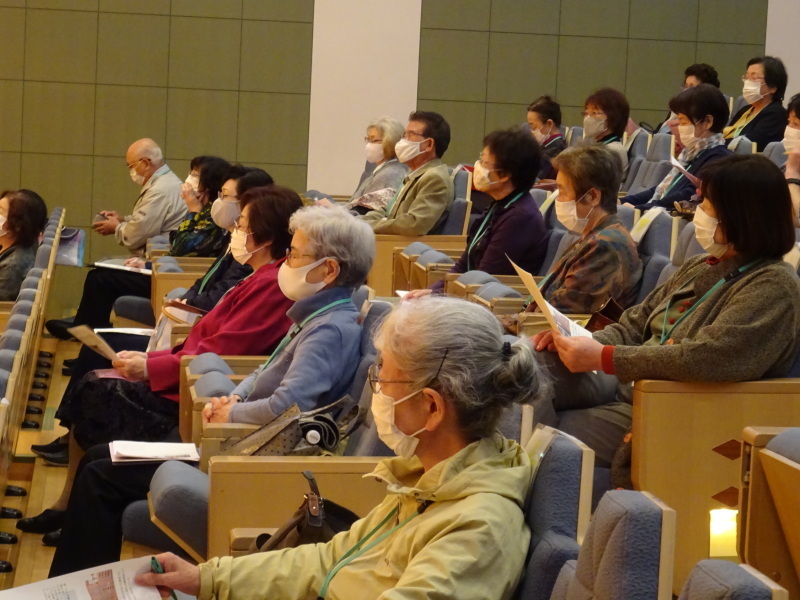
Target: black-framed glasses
x,y
375,382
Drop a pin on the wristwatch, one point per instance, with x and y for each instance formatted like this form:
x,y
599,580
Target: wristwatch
x,y
793,180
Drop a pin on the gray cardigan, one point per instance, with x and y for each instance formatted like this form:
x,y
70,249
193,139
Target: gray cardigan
x,y
313,370
748,329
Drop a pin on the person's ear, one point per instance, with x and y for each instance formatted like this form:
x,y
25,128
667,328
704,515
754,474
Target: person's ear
x,y
332,271
594,196
435,408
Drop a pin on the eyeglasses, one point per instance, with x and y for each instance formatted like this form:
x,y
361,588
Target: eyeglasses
x,y
237,223
227,197
483,164
134,163
369,141
407,135
594,114
375,381
759,79
291,257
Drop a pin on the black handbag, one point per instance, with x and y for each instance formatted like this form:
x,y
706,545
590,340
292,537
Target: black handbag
x,y
317,520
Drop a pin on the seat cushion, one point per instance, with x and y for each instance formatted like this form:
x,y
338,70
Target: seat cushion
x,y
214,384
545,563
207,362
139,529
787,444
179,493
723,580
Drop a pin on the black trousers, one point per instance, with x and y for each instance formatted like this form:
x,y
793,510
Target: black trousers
x,y
92,532
102,288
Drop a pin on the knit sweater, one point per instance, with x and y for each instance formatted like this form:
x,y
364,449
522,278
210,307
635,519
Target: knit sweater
x,y
747,329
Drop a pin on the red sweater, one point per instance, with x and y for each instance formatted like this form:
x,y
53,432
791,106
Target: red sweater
x,y
250,319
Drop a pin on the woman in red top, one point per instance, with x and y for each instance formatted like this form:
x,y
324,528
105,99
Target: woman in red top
x,y
249,319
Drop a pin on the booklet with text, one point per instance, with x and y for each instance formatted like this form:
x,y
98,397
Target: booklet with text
x,y
123,451
119,264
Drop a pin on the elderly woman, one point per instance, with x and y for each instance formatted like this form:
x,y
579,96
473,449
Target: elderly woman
x,y
23,216
605,116
143,404
763,118
702,112
331,254
378,187
512,227
452,524
731,315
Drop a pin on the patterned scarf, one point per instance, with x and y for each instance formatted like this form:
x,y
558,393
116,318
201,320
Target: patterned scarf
x,y
686,157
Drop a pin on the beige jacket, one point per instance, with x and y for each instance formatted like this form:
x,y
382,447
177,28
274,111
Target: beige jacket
x,y
470,543
426,195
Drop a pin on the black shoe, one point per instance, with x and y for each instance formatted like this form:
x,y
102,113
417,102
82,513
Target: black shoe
x,y
56,445
58,328
52,538
57,459
70,362
48,521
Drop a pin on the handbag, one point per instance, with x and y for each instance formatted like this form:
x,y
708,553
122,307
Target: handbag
x,y
70,247
316,521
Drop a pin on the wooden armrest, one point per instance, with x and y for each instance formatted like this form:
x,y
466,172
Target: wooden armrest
x,y
6,306
763,386
760,436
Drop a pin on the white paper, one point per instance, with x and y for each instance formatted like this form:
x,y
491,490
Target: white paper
x,y
113,581
126,451
89,338
643,224
126,330
676,163
558,321
401,293
119,263
179,315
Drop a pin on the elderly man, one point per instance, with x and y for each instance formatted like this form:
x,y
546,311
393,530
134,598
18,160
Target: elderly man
x,y
427,193
158,209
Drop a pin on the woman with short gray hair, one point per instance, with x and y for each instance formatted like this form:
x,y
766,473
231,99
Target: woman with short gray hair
x,y
379,185
330,255
452,524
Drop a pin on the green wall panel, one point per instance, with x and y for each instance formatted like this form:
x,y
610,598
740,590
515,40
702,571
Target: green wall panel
x,y
455,65
739,21
525,16
133,49
649,87
456,14
275,56
137,7
221,9
521,66
145,115
12,32
58,118
196,44
279,10
201,122
607,18
586,64
673,20
730,61
11,111
61,45
9,170
466,121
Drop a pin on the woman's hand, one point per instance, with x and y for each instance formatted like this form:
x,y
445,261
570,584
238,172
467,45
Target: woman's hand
x,y
579,354
216,410
544,341
414,294
191,198
323,202
178,575
132,354
131,367
135,262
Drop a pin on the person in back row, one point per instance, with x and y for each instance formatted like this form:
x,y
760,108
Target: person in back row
x,y
693,76
544,120
23,217
422,203
605,116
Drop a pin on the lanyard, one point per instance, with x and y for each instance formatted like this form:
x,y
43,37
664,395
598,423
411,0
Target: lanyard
x,y
293,331
483,230
391,202
613,138
665,335
208,275
557,137
358,550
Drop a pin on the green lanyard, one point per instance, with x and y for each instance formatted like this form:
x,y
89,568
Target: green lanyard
x,y
483,230
211,272
665,335
613,138
557,137
391,202
293,331
359,548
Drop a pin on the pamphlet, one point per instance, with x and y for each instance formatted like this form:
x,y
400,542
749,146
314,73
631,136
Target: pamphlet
x,y
126,330
676,163
89,338
113,581
643,224
128,452
401,293
558,322
119,264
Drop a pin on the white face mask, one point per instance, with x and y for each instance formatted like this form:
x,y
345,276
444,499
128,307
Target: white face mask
x,y
791,139
3,230
705,226
593,127
225,212
567,213
407,150
193,180
293,282
539,136
752,91
480,177
374,152
400,443
686,133
137,179
239,247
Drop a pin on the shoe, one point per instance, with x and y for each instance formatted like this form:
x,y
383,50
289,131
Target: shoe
x,y
58,328
52,538
56,445
48,521
70,362
57,459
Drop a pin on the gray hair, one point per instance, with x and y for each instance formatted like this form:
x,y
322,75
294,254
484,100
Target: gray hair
x,y
333,232
592,165
456,347
391,132
152,151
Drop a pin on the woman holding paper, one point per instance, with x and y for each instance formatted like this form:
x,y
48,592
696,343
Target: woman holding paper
x,y
702,112
731,315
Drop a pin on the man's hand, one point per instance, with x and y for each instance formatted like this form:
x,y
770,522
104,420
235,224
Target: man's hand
x,y
135,262
579,354
107,227
178,575
111,214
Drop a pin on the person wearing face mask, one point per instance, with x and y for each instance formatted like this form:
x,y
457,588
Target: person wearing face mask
x,y
250,319
702,112
791,144
23,216
380,182
421,205
763,118
330,256
605,116
544,120
455,492
730,315
693,76
512,227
